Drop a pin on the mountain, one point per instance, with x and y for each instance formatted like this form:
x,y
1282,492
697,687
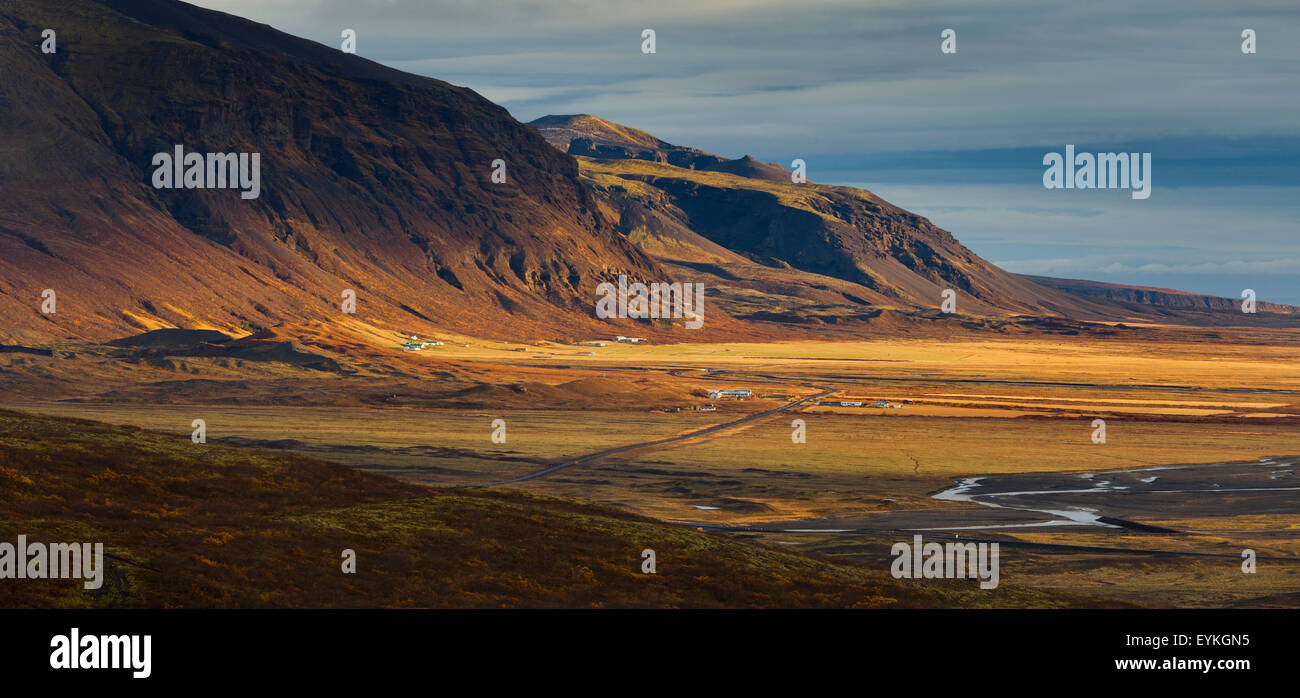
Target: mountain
x,y
806,253
371,179
585,135
1151,296
382,183
749,224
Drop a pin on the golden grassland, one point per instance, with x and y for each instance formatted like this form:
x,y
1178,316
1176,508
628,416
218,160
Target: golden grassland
x,y
852,464
959,369
445,447
978,406
1045,360
869,454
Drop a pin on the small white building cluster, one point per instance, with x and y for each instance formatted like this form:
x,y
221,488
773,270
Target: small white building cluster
x,y
859,403
738,393
414,344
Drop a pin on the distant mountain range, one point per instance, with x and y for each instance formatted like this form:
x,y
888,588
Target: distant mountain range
x,y
381,182
1157,297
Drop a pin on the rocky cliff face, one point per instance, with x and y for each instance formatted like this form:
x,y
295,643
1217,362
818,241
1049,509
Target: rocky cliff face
x,y
371,180
825,249
703,201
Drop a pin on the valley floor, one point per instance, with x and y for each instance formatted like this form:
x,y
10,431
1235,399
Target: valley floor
x,y
1073,512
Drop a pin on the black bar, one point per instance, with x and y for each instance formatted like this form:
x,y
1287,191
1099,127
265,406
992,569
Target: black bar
x,y
1059,650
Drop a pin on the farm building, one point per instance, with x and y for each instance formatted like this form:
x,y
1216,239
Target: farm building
x,y
735,392
414,344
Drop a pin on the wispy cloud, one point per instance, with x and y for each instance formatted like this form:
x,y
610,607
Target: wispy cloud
x,y
863,75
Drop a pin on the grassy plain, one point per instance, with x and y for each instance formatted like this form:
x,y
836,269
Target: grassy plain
x,y
969,407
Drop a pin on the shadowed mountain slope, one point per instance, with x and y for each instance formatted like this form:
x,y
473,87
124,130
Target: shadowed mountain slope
x,y
371,179
817,252
688,203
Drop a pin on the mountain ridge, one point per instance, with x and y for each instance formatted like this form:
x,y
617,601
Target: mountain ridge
x,y
1154,295
384,184
372,180
678,204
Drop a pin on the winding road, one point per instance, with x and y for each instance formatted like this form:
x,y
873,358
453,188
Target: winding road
x,y
632,447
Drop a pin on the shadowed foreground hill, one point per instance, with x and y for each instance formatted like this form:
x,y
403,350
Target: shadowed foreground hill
x,y
191,525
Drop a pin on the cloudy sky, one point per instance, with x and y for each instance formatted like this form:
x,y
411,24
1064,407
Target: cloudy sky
x,y
861,91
